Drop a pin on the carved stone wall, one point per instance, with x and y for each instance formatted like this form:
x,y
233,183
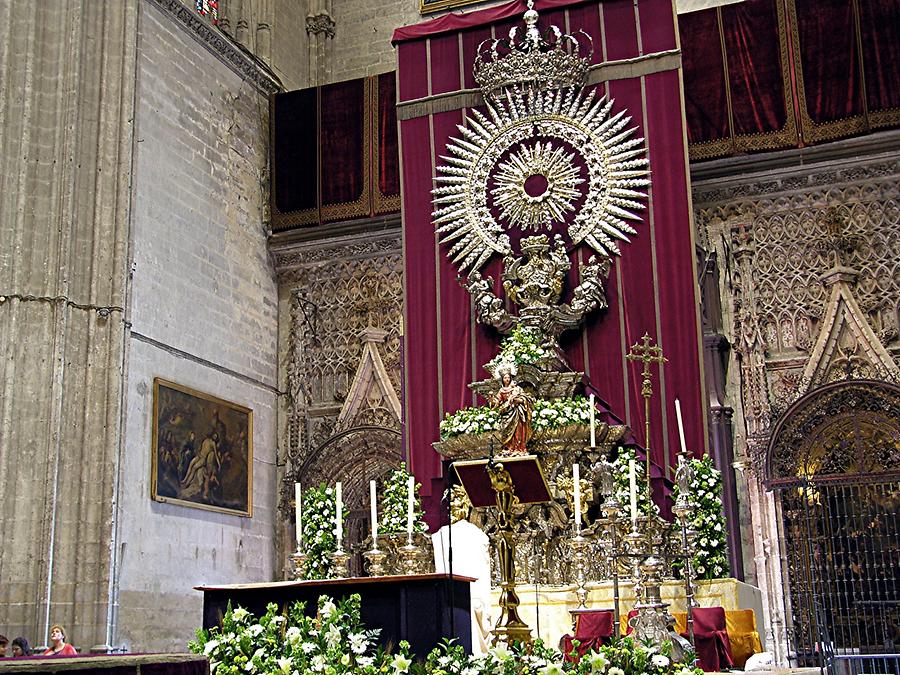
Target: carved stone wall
x,y
808,248
341,303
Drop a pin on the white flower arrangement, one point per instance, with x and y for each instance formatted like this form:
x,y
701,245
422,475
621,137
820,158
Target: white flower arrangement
x,y
621,482
394,504
711,558
318,531
336,643
522,345
548,413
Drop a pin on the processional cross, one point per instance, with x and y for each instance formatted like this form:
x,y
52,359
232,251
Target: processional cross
x,y
647,354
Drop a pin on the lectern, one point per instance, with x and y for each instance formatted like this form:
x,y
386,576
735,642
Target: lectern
x,y
505,484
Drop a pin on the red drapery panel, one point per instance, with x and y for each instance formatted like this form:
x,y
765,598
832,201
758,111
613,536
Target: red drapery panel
x,y
295,167
344,159
651,288
705,98
794,72
879,21
334,153
387,159
828,53
756,79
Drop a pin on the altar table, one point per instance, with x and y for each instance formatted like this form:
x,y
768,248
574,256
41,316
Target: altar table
x,y
421,609
547,609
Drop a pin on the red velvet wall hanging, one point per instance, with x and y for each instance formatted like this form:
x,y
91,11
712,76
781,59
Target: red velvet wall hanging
x,y
651,288
334,153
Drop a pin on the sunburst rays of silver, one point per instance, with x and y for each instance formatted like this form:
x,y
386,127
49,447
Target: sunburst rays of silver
x,y
534,212
615,161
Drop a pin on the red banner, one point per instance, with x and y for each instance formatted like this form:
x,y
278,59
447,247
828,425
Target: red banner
x,y
651,289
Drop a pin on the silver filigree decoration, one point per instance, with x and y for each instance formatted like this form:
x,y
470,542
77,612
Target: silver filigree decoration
x,y
614,161
550,201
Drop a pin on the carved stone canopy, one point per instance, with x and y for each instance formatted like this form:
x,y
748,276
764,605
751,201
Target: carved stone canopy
x,y
850,427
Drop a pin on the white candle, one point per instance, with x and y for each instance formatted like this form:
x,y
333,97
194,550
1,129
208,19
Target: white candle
x,y
298,514
576,488
632,487
680,426
373,506
593,432
410,504
339,516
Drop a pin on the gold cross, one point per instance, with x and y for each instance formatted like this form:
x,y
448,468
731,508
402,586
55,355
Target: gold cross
x,y
647,354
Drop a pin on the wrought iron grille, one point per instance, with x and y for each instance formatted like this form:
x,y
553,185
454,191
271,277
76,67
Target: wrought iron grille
x,y
842,545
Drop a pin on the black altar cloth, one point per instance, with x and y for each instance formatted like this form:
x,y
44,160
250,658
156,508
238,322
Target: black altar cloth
x,y
421,609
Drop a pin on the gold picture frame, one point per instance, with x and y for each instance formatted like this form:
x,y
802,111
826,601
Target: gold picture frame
x,y
202,450
431,6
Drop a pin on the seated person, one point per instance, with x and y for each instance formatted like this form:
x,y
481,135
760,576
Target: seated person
x,y
4,641
58,644
20,647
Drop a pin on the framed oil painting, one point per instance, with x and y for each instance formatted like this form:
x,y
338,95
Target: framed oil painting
x,y
202,454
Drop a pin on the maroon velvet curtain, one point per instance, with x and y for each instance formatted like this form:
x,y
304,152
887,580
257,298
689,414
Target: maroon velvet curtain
x,y
705,98
388,157
344,146
335,153
880,28
294,157
754,67
836,58
829,57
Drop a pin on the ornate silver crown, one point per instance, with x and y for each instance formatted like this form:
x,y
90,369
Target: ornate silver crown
x,y
549,61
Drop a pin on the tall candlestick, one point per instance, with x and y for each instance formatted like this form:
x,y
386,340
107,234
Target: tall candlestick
x,y
298,514
410,504
373,506
593,425
680,426
576,489
632,488
339,516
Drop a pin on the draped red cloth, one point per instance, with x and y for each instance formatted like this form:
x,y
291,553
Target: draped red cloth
x,y
711,639
334,153
651,288
593,629
768,74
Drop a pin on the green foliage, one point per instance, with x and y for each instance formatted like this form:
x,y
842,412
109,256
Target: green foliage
x,y
394,505
554,413
621,482
319,531
711,558
335,642
523,345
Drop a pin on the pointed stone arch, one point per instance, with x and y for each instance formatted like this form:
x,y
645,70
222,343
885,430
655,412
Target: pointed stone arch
x,y
371,389
843,428
846,344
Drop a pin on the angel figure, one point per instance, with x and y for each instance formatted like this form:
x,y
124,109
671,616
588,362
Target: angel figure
x,y
514,406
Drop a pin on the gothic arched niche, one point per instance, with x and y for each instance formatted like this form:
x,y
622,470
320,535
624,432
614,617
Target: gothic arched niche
x,y
354,457
844,428
834,462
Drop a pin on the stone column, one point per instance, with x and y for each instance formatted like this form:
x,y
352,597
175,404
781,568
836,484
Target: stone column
x,y
66,114
716,349
320,28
